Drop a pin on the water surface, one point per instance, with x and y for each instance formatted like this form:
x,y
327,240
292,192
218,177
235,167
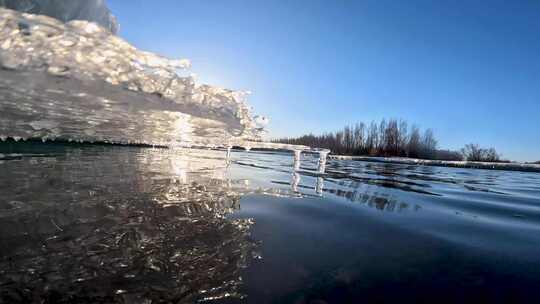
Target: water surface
x,y
91,223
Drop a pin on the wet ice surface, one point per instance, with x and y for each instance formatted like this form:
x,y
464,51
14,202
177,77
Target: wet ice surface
x,y
91,223
77,81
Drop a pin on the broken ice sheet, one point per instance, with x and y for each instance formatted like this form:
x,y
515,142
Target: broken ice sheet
x,y
78,81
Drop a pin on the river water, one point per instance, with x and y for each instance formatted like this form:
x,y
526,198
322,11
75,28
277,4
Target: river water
x,y
118,224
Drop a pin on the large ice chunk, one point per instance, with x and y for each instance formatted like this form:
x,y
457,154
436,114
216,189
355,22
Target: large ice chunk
x,y
67,10
77,81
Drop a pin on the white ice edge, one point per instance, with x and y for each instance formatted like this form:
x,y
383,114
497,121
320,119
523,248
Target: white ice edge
x,y
444,163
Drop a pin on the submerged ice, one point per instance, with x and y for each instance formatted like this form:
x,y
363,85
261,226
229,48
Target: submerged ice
x,y
137,226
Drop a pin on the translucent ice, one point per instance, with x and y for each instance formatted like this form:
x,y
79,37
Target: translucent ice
x,y
78,81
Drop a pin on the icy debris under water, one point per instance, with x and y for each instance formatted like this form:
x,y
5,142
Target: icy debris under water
x,y
126,225
137,226
78,81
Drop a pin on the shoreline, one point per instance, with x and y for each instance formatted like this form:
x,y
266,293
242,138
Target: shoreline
x,y
523,167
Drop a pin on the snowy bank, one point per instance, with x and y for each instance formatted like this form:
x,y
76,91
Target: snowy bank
x,y
444,163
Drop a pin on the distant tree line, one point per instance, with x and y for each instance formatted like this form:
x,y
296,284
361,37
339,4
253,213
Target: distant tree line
x,y
386,138
473,152
390,138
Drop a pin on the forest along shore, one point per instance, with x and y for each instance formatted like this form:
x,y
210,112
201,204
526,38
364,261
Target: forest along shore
x,y
525,167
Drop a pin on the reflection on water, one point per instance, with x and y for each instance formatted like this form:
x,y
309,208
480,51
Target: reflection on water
x,y
119,224
90,223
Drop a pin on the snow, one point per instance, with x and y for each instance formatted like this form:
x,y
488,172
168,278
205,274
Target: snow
x,y
512,166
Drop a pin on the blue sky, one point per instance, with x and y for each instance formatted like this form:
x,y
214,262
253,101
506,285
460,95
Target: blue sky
x,y
468,69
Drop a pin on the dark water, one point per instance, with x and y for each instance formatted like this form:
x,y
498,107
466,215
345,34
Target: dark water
x,y
102,224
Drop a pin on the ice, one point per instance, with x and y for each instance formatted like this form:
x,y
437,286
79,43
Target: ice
x,y
90,85
67,10
143,225
77,81
43,124
510,166
323,155
297,159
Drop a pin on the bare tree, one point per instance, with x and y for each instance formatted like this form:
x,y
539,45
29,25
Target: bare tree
x,y
413,146
359,136
473,152
387,138
382,137
429,144
391,138
373,139
403,137
491,155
